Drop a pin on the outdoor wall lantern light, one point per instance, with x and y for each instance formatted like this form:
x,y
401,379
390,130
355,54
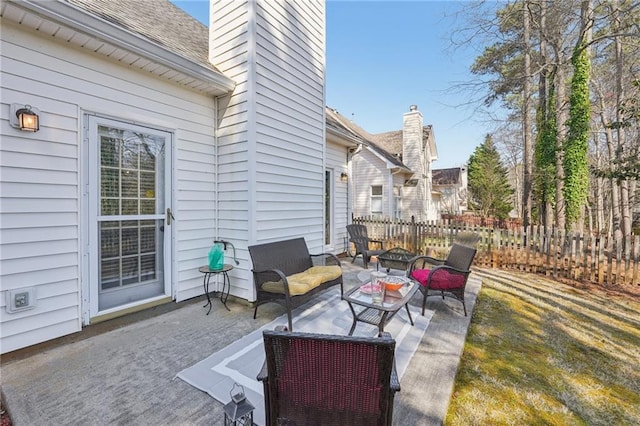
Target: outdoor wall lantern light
x,y
344,177
24,117
239,411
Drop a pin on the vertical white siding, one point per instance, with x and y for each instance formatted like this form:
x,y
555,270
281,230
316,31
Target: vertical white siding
x,y
271,138
41,217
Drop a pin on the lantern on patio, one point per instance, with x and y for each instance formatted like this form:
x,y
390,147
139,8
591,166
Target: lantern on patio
x,y
239,411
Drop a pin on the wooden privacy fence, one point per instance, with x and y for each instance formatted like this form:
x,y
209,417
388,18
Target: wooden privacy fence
x,y
599,259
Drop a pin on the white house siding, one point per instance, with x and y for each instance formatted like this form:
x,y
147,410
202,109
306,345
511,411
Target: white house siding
x,y
271,138
336,161
229,44
41,218
290,121
413,155
369,170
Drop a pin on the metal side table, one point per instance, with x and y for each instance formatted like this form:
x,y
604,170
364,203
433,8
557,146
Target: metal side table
x,y
226,284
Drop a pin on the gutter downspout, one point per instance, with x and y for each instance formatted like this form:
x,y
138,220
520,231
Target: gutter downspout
x,y
351,152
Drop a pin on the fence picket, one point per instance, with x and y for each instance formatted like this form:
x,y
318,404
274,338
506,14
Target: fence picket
x,y
601,259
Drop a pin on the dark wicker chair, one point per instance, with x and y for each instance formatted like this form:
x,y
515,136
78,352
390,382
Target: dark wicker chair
x,y
446,277
316,379
467,238
358,236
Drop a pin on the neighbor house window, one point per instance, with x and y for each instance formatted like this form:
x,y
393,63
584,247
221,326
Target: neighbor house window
x,y
376,200
397,202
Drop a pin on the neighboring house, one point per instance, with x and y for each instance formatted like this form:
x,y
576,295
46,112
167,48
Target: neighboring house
x,y
450,190
157,136
391,172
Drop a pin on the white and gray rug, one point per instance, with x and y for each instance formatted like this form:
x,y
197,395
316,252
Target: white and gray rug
x,y
241,361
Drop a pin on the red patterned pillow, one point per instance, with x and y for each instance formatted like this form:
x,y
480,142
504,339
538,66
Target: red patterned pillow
x,y
441,280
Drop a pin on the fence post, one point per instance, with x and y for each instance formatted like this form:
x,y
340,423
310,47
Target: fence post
x,y
414,234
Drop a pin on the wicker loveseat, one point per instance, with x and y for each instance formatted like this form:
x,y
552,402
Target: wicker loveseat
x,y
284,272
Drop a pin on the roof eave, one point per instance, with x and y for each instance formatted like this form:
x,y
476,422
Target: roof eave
x,y
80,20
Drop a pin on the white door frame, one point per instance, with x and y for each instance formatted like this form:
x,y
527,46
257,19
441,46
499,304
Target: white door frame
x,y
331,192
89,209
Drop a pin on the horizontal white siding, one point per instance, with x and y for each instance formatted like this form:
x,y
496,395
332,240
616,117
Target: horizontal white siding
x,y
228,46
271,129
41,221
369,170
337,161
289,108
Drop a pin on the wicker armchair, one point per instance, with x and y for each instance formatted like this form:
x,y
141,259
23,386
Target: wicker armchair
x,y
445,277
358,236
316,379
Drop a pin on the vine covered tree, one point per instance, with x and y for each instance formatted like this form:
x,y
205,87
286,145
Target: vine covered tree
x,y
576,168
489,191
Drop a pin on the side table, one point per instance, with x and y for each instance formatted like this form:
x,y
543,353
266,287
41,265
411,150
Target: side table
x,y
395,258
226,284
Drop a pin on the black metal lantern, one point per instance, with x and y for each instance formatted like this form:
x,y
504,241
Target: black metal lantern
x,y
239,411
27,119
24,117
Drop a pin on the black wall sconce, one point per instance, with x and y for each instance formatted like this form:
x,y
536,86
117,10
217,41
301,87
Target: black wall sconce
x,y
344,177
24,117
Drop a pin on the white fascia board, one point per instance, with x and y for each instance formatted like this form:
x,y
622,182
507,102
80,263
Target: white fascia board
x,y
342,138
432,145
80,20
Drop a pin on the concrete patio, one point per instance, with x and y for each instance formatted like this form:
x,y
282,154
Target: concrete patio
x,y
124,371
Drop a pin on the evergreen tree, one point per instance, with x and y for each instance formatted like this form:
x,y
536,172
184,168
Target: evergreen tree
x,y
489,189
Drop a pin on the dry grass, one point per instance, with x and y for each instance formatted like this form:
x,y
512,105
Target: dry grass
x,y
542,352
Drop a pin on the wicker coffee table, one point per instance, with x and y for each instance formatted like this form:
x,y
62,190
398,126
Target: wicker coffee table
x,y
395,258
379,314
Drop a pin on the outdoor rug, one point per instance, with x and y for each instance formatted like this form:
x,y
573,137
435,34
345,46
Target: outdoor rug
x,y
241,361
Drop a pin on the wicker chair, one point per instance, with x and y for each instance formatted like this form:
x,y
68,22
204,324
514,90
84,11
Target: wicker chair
x,y
446,277
316,379
358,236
467,238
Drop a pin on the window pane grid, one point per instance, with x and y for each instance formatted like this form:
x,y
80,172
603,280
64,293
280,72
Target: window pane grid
x,y
128,253
376,200
127,172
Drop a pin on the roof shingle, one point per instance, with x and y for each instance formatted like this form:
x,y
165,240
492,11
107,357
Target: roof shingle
x,y
160,21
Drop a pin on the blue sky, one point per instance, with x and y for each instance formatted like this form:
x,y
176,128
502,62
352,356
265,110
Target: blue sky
x,y
383,56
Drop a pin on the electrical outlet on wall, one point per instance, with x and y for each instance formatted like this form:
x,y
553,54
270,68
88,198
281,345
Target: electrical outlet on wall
x,y
20,299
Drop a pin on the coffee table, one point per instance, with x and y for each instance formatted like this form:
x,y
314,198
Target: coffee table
x,y
379,314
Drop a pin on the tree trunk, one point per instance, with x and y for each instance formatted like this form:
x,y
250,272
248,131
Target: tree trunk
x,y
620,133
546,207
526,123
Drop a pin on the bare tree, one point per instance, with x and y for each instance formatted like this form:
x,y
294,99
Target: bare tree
x,y
526,122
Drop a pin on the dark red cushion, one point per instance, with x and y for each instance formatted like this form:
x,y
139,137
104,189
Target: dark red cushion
x,y
441,280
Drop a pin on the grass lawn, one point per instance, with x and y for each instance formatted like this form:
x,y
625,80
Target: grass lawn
x,y
542,352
